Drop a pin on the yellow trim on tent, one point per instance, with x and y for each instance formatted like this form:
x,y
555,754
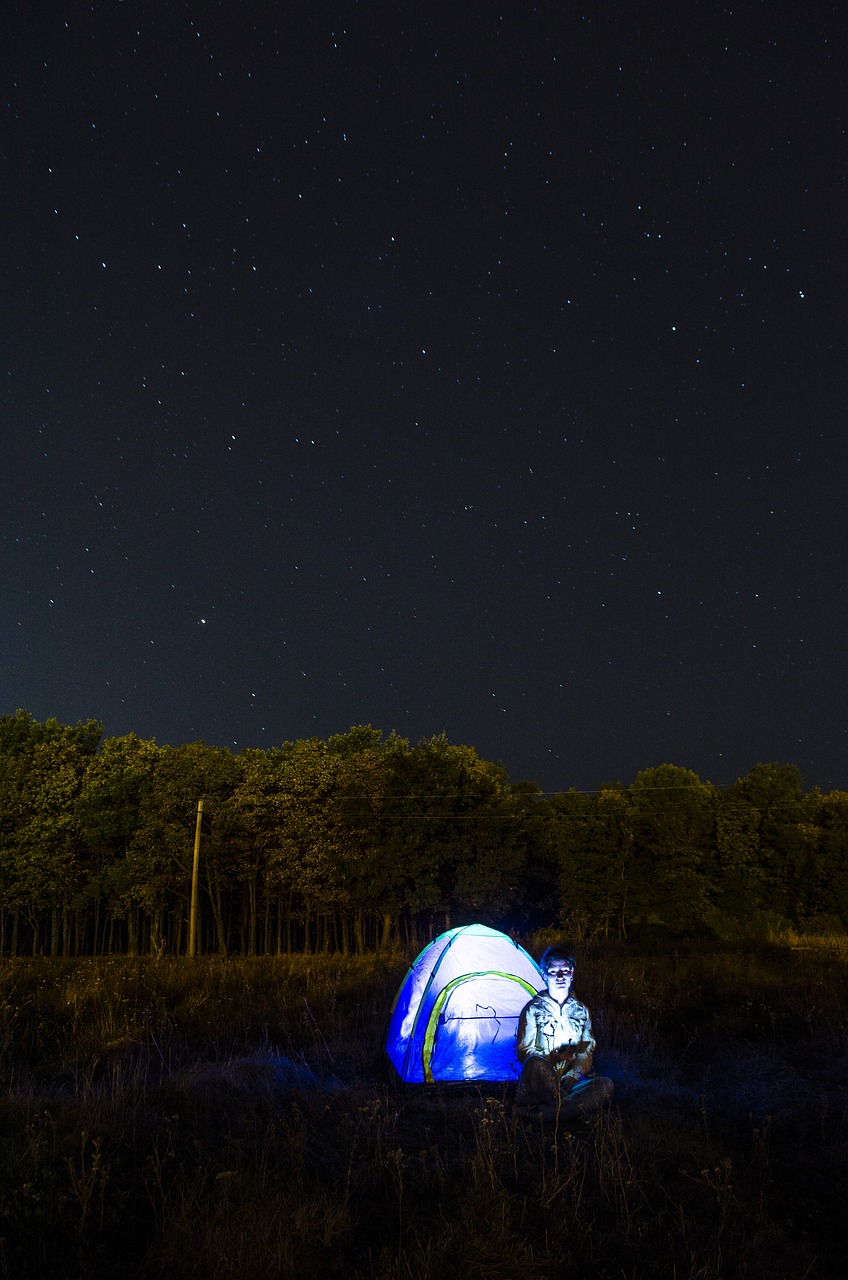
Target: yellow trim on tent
x,y
441,1000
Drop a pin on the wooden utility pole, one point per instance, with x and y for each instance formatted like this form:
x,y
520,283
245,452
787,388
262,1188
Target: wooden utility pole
x,y
195,868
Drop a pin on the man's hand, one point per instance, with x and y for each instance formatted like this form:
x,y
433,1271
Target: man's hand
x,y
568,1052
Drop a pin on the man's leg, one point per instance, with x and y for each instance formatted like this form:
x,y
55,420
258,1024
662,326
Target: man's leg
x,y
539,1084
588,1095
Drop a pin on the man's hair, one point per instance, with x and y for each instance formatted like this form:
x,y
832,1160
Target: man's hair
x,y
559,951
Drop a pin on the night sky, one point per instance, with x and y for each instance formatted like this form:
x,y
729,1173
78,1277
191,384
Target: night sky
x,y
462,367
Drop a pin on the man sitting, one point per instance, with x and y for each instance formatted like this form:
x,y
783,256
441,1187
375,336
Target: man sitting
x,y
555,1046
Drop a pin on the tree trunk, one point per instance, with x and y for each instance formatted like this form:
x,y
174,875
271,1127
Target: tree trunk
x,y
244,926
177,930
132,932
279,924
214,890
252,918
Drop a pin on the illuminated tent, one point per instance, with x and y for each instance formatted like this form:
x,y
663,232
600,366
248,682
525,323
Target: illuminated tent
x,y
456,1014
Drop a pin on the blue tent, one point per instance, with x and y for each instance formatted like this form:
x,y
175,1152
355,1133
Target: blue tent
x,y
455,1016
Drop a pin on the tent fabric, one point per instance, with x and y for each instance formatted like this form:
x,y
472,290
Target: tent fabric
x,y
455,1016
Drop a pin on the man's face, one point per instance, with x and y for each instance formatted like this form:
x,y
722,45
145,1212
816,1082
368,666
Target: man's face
x,y
559,975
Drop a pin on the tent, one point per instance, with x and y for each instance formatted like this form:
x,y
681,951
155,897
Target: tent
x,y
455,1016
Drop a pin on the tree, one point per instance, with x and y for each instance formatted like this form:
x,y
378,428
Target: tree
x,y
301,866
833,827
456,833
109,812
671,871
42,767
357,830
740,874
593,839
158,859
253,834
776,793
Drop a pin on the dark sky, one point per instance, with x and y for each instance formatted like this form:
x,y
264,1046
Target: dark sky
x,y
462,367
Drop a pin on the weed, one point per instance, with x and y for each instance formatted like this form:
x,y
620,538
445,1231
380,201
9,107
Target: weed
x,y
88,1175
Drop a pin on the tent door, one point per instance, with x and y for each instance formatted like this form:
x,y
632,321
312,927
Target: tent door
x,y
474,1029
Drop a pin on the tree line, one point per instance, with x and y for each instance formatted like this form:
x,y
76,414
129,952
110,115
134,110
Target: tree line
x,y
350,843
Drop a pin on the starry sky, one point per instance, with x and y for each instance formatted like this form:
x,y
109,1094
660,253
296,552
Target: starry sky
x,y
468,368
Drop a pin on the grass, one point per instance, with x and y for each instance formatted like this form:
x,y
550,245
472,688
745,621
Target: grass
x,y
237,1117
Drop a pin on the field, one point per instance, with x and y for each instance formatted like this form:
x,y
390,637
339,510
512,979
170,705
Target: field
x,y
237,1118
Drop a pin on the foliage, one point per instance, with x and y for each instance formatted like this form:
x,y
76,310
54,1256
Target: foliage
x,y
42,768
350,843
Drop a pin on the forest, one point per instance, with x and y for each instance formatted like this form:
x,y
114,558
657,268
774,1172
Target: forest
x,y
363,840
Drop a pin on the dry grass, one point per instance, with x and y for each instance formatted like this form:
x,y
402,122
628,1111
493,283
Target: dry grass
x,y
237,1117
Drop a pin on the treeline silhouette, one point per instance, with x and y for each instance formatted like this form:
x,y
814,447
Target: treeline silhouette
x,y
351,843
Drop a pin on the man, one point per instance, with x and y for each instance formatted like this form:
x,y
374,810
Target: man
x,y
555,1045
